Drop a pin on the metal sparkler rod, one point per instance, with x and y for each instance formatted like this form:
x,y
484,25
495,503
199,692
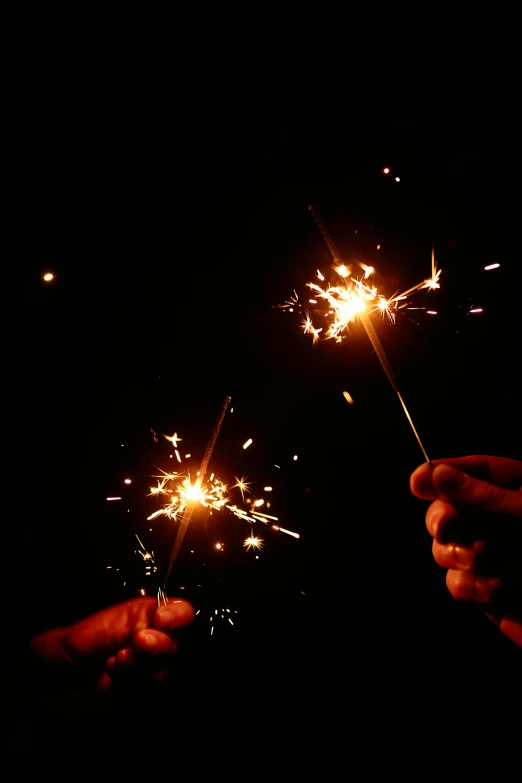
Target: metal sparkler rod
x,y
186,520
386,366
332,247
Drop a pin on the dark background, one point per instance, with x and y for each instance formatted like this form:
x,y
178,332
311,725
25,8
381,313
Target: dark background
x,y
172,233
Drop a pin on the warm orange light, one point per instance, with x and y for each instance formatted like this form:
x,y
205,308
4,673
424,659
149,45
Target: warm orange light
x,y
386,170
48,277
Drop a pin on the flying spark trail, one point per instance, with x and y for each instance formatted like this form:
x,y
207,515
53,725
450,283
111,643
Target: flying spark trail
x,y
288,532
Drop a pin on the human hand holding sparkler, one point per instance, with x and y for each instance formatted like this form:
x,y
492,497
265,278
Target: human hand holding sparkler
x,y
132,638
475,521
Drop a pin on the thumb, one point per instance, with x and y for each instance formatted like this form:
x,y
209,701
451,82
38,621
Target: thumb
x,y
458,488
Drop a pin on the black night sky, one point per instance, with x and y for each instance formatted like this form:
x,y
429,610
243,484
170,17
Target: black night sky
x,y
172,236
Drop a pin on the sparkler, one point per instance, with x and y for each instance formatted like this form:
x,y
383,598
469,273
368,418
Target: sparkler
x,y
193,493
354,297
182,496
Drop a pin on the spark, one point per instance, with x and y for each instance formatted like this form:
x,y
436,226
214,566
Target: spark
x,y
113,498
219,546
267,489
48,277
477,310
288,532
491,266
260,514
253,542
397,179
319,275
378,247
188,456
309,327
343,270
128,481
174,439
295,457
247,443
312,301
348,397
386,170
431,312
368,270
243,486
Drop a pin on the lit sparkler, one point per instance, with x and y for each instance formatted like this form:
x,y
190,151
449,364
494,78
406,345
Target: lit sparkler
x,y
352,297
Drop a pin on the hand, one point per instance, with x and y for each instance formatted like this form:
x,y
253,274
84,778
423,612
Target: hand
x,y
131,637
475,520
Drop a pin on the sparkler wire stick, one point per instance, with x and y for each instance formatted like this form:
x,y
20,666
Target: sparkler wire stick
x,y
369,328
186,520
326,234
386,366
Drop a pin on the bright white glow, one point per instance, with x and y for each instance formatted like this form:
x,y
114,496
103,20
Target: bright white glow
x,y
247,443
113,498
491,266
128,481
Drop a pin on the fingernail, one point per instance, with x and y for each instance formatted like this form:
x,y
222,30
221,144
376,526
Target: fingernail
x,y
448,479
173,613
149,639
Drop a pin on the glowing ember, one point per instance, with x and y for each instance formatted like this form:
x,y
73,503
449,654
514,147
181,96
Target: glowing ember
x,y
253,542
491,266
48,277
247,443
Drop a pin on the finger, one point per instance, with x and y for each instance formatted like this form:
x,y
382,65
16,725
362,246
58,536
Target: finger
x,y
459,489
104,683
174,614
461,558
465,586
112,629
442,521
511,625
502,472
153,642
125,658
